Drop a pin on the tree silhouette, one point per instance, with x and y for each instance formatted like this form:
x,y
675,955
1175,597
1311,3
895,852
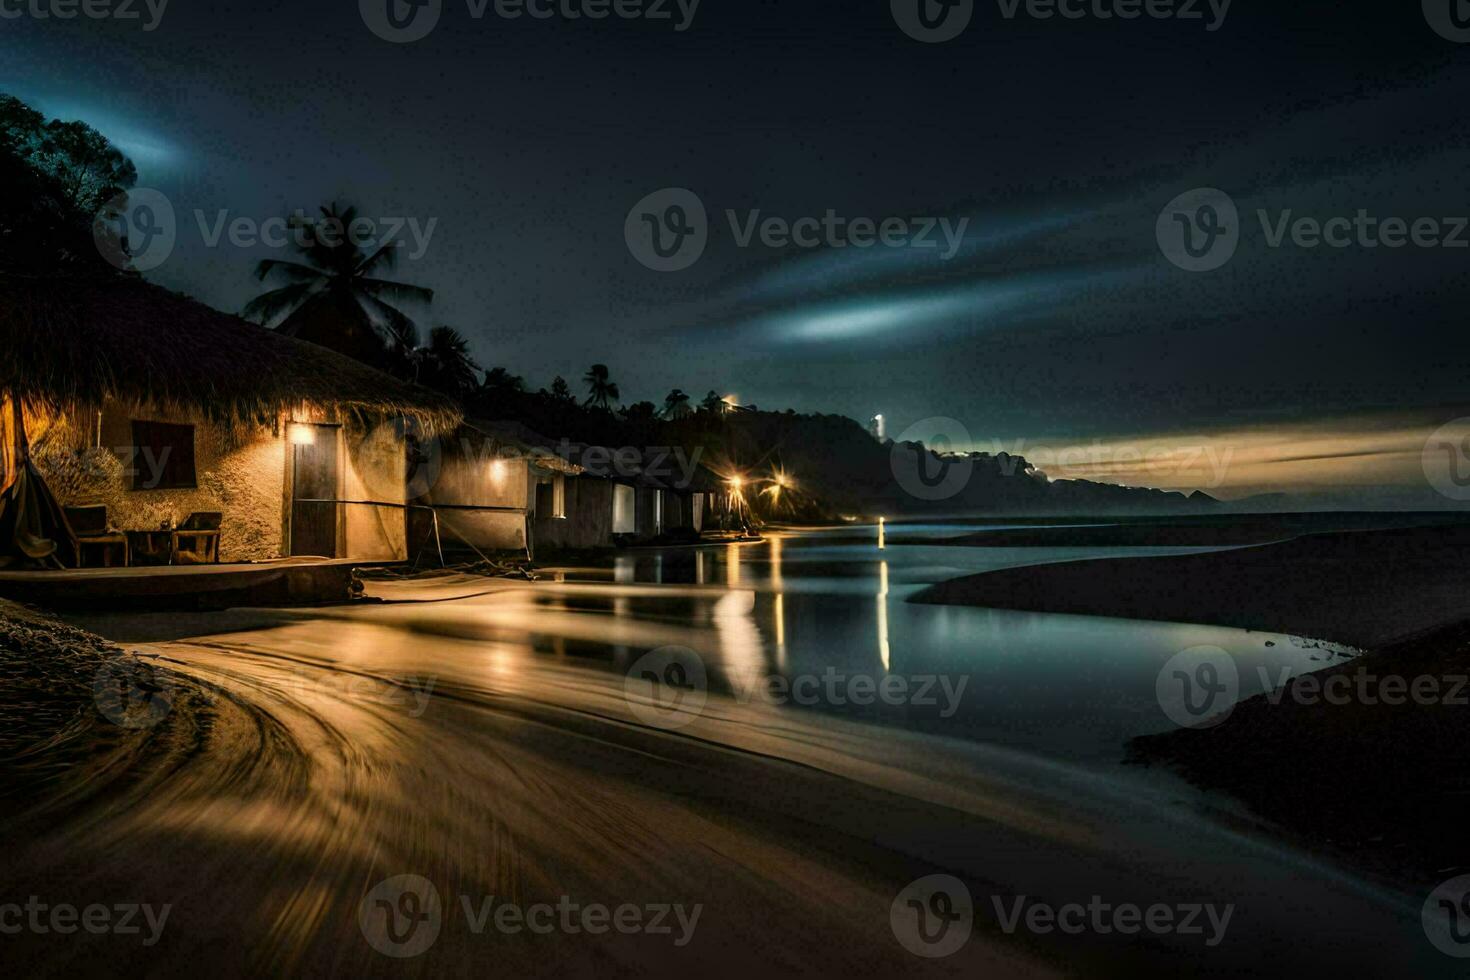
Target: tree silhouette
x,y
714,404
334,296
560,390
602,392
445,363
676,404
501,382
640,412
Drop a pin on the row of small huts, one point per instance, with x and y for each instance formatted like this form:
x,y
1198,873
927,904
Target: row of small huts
x,y
118,394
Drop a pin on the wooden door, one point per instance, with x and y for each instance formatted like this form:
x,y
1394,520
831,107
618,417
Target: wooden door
x,y
315,478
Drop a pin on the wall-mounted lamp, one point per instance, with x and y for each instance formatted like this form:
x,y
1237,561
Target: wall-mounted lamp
x,y
301,434
497,470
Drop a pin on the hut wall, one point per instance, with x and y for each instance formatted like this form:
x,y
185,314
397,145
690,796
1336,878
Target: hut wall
x,y
239,472
588,524
467,475
376,471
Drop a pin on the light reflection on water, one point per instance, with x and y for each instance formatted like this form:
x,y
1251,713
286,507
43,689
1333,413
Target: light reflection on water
x,y
830,605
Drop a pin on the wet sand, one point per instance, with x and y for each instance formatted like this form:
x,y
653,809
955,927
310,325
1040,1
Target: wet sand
x,y
308,760
1372,775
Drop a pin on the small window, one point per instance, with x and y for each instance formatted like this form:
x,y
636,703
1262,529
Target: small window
x,y
163,456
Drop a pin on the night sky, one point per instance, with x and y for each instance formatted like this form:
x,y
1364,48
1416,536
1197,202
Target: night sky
x,y
1058,320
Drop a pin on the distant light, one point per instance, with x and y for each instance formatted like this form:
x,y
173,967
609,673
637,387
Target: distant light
x,y
302,435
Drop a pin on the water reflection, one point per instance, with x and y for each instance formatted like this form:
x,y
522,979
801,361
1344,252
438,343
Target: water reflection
x,y
815,607
883,649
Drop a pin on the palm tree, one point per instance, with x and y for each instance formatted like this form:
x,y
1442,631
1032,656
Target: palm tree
x,y
334,295
602,392
501,382
714,404
445,363
676,405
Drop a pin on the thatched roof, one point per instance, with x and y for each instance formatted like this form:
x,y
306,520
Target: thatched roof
x,y
65,342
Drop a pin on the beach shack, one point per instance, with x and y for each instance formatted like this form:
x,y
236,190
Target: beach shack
x,y
501,486
141,427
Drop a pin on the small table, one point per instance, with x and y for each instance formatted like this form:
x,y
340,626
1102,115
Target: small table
x,y
151,547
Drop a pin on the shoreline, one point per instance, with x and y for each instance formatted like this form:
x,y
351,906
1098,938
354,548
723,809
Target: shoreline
x,y
1360,588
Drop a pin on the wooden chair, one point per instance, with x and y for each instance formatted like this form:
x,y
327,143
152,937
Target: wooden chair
x,y
92,531
196,541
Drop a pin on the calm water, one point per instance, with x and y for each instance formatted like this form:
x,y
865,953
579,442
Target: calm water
x,y
824,614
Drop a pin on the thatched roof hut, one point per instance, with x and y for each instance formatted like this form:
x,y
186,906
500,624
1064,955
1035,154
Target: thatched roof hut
x,y
70,342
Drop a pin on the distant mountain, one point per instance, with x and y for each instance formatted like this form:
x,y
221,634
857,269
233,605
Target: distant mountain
x,y
838,462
